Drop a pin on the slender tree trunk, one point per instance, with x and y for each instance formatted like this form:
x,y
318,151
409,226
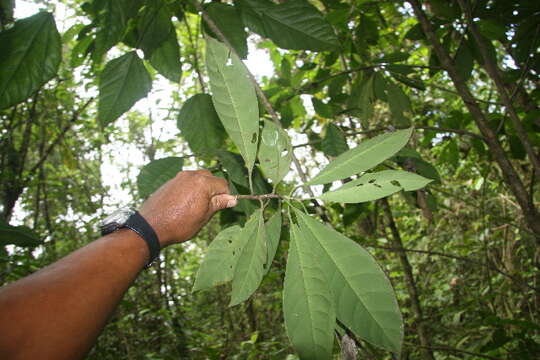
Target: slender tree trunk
x,y
410,282
509,173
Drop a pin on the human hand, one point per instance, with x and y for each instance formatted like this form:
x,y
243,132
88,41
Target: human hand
x,y
184,204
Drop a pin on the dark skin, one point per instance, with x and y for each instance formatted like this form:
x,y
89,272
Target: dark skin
x,y
59,311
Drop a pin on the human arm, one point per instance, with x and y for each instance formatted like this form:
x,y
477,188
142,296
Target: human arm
x,y
58,312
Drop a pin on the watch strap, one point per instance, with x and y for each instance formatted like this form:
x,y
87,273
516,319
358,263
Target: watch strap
x,y
138,224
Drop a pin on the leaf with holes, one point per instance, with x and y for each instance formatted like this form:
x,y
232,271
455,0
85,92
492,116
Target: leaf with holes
x,y
308,305
157,173
364,299
249,269
30,56
220,260
375,186
275,152
234,99
273,234
368,154
122,83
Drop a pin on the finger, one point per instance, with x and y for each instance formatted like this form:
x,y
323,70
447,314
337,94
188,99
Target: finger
x,y
222,201
217,185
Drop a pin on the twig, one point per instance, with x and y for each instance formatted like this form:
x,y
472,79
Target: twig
x,y
260,197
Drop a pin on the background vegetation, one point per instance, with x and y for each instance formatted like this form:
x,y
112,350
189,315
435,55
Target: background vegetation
x,y
463,253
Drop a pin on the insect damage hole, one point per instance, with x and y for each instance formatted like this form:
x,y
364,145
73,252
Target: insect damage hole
x,y
254,138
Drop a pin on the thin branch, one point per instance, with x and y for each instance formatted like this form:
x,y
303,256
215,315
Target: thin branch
x,y
260,197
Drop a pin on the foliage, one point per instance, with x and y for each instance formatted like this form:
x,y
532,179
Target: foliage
x,y
432,104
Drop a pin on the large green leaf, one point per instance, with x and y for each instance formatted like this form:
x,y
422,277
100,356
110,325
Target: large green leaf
x,y
249,269
122,83
153,27
229,22
375,186
234,98
18,235
334,142
112,20
295,24
157,173
308,306
369,153
273,234
199,124
275,152
30,56
220,260
166,58
363,296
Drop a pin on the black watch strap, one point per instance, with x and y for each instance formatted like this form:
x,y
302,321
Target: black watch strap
x,y
138,224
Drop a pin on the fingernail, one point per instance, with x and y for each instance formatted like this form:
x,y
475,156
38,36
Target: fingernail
x,y
231,203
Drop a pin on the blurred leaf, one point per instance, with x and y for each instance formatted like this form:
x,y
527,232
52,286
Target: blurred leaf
x,y
400,105
122,83
199,124
464,61
21,236
334,142
227,20
275,152
166,58
30,56
153,27
157,173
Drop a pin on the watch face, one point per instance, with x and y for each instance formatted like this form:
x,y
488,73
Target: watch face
x,y
116,219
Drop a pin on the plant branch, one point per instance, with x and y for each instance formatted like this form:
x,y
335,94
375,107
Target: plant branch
x,y
263,98
260,197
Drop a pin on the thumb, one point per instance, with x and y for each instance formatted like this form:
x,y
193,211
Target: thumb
x,y
222,201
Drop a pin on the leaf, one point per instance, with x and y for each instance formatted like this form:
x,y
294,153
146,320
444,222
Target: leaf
x,y
220,260
275,152
377,185
199,124
227,20
166,58
112,22
361,99
122,83
234,99
157,173
334,142
232,163
308,306
273,234
249,269
322,109
21,236
400,105
464,61
364,299
30,56
295,24
153,27
369,153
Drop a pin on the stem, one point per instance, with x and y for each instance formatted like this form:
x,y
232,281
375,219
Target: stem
x,y
261,197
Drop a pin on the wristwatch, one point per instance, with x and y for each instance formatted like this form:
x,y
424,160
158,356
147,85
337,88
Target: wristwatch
x,y
131,219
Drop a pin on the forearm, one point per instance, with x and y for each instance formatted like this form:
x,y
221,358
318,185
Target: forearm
x,y
58,312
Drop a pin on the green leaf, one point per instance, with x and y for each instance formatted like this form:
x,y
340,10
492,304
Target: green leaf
x,y
153,27
377,185
464,61
308,306
229,22
220,260
166,58
112,22
18,235
199,124
157,173
275,152
273,233
400,105
249,269
363,296
122,83
334,142
295,24
30,56
234,99
234,166
322,109
369,153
